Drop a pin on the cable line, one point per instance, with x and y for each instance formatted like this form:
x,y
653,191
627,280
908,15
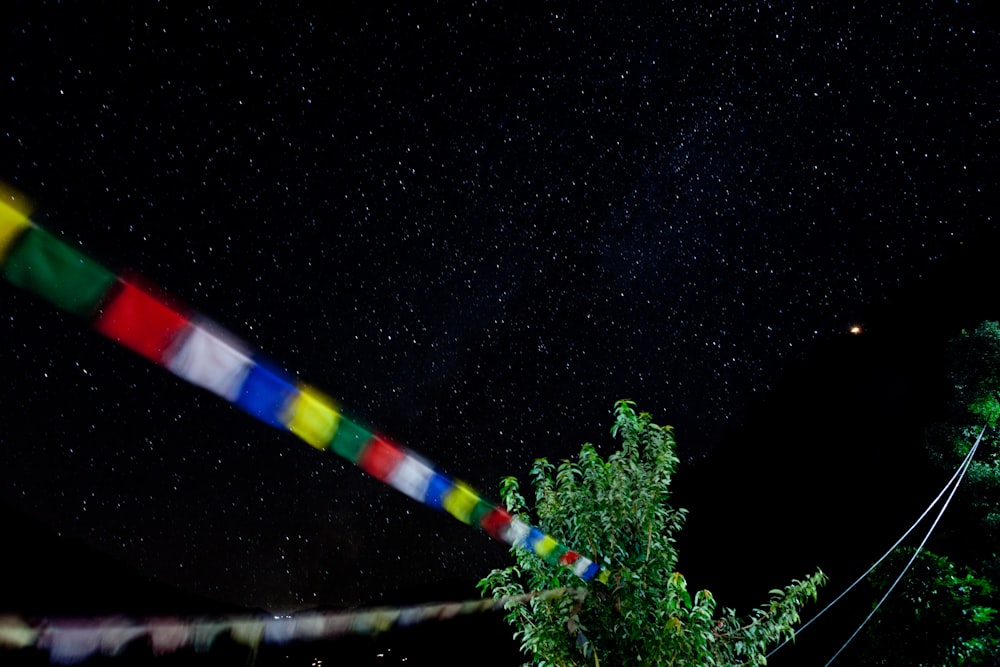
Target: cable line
x,y
958,471
964,468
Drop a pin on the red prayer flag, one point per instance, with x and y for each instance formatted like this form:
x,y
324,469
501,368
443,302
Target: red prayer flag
x,y
380,459
495,522
140,321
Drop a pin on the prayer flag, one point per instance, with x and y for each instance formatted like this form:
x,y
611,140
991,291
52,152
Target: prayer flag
x,y
141,322
312,417
207,360
350,440
265,393
41,263
206,355
460,501
12,225
411,477
380,459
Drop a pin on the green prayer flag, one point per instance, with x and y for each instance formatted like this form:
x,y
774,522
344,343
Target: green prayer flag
x,y
41,263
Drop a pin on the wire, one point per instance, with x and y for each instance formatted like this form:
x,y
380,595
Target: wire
x,y
963,468
958,471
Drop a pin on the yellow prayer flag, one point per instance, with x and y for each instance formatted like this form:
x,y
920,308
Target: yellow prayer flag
x,y
15,201
16,633
460,501
13,220
313,417
544,546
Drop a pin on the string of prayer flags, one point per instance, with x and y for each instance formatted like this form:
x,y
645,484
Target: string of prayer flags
x,y
203,353
72,641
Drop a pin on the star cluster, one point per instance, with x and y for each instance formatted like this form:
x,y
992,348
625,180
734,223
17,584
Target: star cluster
x,y
475,227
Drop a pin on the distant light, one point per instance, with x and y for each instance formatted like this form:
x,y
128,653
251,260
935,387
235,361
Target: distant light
x,y
855,329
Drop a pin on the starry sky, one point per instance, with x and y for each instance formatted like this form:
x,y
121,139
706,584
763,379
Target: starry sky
x,y
475,224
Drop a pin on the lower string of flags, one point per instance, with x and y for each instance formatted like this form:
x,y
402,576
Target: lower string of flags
x,y
203,353
71,641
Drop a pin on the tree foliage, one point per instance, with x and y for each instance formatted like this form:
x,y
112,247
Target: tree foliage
x,y
939,615
643,614
944,610
973,367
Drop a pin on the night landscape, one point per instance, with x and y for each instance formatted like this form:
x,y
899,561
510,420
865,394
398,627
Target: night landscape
x,y
477,226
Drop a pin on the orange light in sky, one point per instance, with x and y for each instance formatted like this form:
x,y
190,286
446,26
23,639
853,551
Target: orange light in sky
x,y
855,329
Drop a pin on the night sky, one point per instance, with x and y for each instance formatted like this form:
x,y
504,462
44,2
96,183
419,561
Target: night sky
x,y
475,224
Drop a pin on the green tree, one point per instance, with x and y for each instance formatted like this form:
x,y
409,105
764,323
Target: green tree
x,y
940,614
944,610
642,614
973,367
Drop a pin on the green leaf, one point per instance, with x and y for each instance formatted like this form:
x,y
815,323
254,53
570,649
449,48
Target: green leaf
x,y
617,511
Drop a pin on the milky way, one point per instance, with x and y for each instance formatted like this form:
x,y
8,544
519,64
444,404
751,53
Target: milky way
x,y
475,226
